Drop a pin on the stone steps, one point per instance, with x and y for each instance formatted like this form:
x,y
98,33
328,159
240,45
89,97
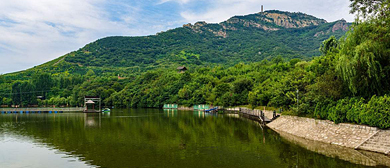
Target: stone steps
x,y
380,142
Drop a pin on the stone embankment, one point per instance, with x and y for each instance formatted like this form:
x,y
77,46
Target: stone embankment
x,y
380,142
348,154
347,135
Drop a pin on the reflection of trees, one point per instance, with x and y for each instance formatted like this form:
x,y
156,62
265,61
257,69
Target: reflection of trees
x,y
148,137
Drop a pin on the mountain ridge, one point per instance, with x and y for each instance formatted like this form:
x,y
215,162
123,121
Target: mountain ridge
x,y
262,20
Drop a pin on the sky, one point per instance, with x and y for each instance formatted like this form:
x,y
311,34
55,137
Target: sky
x,y
33,32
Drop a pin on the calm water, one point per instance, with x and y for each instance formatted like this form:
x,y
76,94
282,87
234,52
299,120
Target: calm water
x,y
147,138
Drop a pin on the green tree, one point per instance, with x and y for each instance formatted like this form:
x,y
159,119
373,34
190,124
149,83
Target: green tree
x,y
16,93
23,93
364,59
370,8
329,45
42,82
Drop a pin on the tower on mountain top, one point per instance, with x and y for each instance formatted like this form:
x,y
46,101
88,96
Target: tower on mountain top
x,y
262,9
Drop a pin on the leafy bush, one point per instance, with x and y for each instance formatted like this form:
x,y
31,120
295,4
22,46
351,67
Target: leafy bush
x,y
375,112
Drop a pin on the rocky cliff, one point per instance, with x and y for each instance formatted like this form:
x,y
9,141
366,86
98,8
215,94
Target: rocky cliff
x,y
268,21
340,25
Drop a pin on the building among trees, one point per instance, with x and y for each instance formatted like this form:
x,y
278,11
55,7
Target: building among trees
x,y
181,69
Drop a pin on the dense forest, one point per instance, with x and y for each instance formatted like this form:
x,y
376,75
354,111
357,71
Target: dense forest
x,y
346,82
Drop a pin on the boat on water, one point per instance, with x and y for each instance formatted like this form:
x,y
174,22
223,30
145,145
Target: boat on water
x,y
215,109
106,110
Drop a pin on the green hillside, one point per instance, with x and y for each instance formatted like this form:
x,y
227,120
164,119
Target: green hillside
x,y
93,69
257,59
246,39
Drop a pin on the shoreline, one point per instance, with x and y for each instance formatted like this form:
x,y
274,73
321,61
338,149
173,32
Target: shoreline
x,y
357,137
362,157
358,144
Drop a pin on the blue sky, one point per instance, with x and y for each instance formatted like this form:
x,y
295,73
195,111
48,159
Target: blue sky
x,y
37,31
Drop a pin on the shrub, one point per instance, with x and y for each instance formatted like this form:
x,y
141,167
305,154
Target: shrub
x,y
376,112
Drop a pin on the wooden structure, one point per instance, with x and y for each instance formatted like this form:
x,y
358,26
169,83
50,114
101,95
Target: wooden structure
x,y
257,115
92,104
181,69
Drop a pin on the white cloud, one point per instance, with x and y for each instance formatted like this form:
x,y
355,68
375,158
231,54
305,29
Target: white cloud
x,y
34,32
179,1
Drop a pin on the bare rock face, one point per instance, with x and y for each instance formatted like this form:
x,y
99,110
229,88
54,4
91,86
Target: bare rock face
x,y
340,25
287,21
230,24
220,33
274,20
267,21
201,27
200,23
187,25
258,25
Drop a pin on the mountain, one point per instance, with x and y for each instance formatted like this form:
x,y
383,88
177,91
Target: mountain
x,y
227,67
249,38
213,53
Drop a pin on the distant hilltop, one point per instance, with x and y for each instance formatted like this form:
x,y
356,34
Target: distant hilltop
x,y
269,20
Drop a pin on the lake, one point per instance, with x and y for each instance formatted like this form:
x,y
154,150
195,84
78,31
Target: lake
x,y
148,138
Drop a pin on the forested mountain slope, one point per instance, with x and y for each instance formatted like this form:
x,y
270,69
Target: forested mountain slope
x,y
240,39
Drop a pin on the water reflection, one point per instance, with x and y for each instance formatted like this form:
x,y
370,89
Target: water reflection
x,y
157,138
199,114
108,114
92,120
19,151
233,115
170,112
